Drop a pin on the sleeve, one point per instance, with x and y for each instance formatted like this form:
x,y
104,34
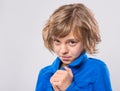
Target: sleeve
x,y
43,83
102,79
74,87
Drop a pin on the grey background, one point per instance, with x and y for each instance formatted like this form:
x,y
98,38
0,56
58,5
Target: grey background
x,y
22,53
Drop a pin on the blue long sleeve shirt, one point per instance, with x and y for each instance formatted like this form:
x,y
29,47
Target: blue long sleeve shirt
x,y
90,74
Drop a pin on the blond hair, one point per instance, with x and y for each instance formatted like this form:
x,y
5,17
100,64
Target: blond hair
x,y
76,18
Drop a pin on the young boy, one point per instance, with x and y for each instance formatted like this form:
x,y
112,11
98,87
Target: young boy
x,y
71,32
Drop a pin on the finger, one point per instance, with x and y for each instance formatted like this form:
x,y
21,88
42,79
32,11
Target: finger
x,y
68,70
55,87
53,80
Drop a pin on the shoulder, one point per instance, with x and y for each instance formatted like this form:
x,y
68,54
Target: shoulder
x,y
96,62
45,70
98,65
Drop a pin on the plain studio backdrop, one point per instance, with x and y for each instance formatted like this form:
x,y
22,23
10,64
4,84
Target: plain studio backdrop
x,y
22,53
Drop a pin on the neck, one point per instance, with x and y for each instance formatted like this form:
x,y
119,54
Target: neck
x,y
62,65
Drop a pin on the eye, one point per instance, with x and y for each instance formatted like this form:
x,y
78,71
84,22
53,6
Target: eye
x,y
72,42
56,42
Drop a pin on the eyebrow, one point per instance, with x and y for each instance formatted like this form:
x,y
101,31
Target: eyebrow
x,y
70,39
73,40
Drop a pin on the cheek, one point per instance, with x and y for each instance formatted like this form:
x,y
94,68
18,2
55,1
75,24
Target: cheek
x,y
55,49
77,51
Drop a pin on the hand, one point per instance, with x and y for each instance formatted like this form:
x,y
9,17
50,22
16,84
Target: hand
x,y
55,88
61,79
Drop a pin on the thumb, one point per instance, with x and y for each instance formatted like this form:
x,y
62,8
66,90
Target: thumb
x,y
68,70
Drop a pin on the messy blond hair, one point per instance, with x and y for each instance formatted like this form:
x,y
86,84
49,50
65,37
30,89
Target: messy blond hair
x,y
76,18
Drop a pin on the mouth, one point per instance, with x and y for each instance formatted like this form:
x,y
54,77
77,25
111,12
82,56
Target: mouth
x,y
65,58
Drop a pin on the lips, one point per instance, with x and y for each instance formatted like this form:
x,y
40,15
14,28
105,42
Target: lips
x,y
65,58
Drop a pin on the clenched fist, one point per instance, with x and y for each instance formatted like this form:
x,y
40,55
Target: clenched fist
x,y
61,79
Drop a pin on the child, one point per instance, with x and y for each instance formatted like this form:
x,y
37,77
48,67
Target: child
x,y
71,32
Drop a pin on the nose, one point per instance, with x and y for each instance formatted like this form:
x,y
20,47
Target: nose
x,y
63,49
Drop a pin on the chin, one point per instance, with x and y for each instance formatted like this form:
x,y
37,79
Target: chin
x,y
66,63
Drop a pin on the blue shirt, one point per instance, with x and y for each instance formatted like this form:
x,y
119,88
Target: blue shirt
x,y
90,74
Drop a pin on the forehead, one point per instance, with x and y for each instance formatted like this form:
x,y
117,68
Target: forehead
x,y
67,37
71,34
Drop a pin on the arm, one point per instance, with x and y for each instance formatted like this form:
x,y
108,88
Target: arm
x,y
43,83
103,79
74,87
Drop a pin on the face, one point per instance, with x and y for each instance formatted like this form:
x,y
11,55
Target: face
x,y
67,48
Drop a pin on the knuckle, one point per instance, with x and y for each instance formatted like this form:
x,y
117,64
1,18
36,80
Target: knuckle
x,y
60,84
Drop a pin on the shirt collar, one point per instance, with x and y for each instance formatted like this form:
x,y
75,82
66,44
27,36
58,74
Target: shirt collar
x,y
56,64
